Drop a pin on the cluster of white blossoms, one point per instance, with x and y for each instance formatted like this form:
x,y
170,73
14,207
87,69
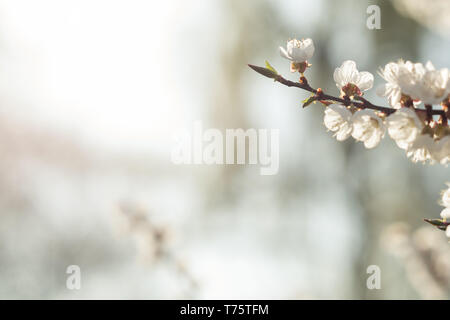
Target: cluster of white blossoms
x,y
414,129
421,83
425,140
363,125
445,214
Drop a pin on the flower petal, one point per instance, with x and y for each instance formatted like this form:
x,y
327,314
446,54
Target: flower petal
x,y
382,90
337,119
346,73
445,214
284,53
373,141
308,46
349,73
365,81
338,78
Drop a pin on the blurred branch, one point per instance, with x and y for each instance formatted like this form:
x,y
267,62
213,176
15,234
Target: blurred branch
x,y
424,257
438,223
151,240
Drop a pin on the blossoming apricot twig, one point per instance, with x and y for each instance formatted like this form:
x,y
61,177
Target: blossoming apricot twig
x,y
321,96
424,137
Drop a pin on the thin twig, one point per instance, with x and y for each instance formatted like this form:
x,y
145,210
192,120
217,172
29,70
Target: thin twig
x,y
362,103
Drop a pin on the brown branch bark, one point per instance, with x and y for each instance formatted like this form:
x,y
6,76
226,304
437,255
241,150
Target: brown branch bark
x,y
362,103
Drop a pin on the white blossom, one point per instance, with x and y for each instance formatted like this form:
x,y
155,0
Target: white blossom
x,y
403,126
368,127
442,150
445,214
298,50
445,199
347,75
418,81
422,149
338,119
391,89
410,75
401,79
432,86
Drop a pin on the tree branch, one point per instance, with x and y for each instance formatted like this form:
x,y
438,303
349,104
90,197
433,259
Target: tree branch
x,y
320,95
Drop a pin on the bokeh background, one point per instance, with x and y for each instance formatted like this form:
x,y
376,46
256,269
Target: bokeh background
x,y
91,94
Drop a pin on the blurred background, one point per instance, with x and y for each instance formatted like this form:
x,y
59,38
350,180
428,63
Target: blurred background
x,y
91,94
